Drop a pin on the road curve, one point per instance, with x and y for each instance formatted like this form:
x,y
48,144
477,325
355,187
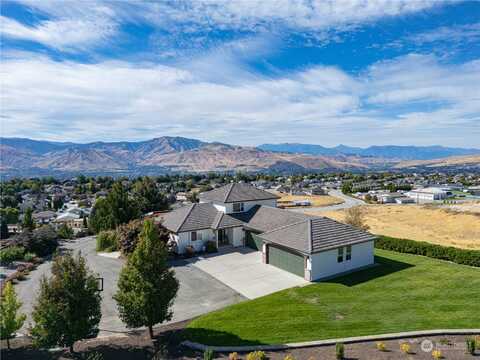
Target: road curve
x,y
348,202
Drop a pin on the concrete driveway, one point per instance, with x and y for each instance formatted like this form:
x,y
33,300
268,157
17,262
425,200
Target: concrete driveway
x,y
242,270
199,292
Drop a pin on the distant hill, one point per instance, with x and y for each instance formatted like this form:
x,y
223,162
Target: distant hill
x,y
386,152
26,157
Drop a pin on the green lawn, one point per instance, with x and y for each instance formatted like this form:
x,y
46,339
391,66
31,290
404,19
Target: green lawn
x,y
404,293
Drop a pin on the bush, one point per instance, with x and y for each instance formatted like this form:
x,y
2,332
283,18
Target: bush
x,y
107,241
189,251
437,354
289,357
29,256
405,348
339,351
128,236
233,356
381,346
11,254
470,345
211,247
459,256
256,355
65,232
208,354
41,241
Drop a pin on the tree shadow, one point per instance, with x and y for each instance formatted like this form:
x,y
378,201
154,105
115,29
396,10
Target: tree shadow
x,y
383,267
214,337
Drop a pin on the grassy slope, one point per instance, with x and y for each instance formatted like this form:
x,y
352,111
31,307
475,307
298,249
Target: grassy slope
x,y
404,293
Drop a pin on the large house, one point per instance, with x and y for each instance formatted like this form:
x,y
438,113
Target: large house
x,y
241,215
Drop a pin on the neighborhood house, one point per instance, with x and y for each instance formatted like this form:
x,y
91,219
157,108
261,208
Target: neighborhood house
x,y
239,214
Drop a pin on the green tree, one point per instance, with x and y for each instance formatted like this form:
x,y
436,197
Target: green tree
x,y
68,306
10,320
9,214
101,217
3,229
147,285
28,223
347,187
65,231
148,197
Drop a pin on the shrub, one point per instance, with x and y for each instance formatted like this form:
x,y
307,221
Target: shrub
x,y
459,256
339,351
128,236
208,354
437,354
29,256
405,348
233,356
11,254
189,251
41,241
21,276
256,355
107,241
211,247
289,357
381,346
65,232
470,345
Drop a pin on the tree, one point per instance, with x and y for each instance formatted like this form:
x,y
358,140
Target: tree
x,y
148,197
65,231
9,214
347,187
356,217
28,223
3,229
68,306
147,285
10,320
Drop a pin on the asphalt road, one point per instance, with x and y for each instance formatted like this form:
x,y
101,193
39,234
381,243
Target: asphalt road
x,y
199,292
348,202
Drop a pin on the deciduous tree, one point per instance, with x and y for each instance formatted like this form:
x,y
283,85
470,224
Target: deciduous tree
x,y
10,319
355,216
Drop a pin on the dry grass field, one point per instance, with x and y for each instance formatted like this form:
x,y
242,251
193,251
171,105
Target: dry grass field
x,y
438,225
315,200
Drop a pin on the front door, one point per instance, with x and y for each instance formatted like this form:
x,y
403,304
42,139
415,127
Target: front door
x,y
222,237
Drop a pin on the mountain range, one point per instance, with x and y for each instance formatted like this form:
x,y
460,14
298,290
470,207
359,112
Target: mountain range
x,y
27,157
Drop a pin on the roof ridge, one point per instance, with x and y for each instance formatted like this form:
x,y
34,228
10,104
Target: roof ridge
x,y
310,237
186,215
217,222
228,192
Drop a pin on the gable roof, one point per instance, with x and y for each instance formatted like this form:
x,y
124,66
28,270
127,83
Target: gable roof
x,y
236,192
316,234
190,218
266,218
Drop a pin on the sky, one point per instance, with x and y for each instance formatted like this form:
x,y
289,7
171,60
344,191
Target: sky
x,y
246,72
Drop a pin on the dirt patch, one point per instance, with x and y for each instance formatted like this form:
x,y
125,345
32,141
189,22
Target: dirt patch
x,y
315,200
422,223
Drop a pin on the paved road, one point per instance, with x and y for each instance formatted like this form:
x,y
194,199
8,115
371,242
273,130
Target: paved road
x,y
199,292
348,202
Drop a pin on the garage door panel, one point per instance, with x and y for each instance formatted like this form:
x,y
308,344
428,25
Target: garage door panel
x,y
286,260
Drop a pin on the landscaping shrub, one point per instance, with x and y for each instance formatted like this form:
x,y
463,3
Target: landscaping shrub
x,y
65,232
405,348
107,241
339,351
289,357
11,254
29,256
470,345
456,255
211,247
233,356
189,251
128,236
41,241
381,346
256,355
437,354
208,354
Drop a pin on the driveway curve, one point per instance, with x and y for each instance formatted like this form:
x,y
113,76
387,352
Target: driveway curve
x,y
348,202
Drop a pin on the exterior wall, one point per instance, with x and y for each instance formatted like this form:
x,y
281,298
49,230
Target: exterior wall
x,y
324,264
183,240
227,208
238,236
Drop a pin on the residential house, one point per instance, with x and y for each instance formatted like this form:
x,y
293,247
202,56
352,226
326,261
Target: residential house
x,y
241,215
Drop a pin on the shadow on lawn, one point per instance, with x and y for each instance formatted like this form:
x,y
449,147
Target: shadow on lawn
x,y
383,267
213,337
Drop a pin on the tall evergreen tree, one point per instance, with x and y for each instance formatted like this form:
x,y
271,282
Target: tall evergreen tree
x,y
10,320
148,197
28,223
68,306
147,285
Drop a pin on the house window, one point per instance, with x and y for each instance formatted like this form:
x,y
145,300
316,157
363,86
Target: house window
x,y
238,207
340,255
349,253
193,236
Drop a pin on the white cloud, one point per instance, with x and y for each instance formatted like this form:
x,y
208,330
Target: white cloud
x,y
413,99
81,24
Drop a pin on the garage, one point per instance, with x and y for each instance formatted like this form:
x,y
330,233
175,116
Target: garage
x,y
286,260
253,241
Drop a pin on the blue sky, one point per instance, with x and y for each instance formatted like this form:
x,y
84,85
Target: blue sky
x,y
244,72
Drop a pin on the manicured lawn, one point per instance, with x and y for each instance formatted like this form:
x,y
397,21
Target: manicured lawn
x,y
404,293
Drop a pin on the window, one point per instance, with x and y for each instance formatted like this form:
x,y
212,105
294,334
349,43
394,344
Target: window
x,y
340,255
193,236
238,207
349,253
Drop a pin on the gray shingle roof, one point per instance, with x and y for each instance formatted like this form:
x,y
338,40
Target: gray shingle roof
x,y
267,218
316,234
190,218
236,192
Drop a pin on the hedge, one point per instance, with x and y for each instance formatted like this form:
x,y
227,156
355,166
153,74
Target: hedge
x,y
449,253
